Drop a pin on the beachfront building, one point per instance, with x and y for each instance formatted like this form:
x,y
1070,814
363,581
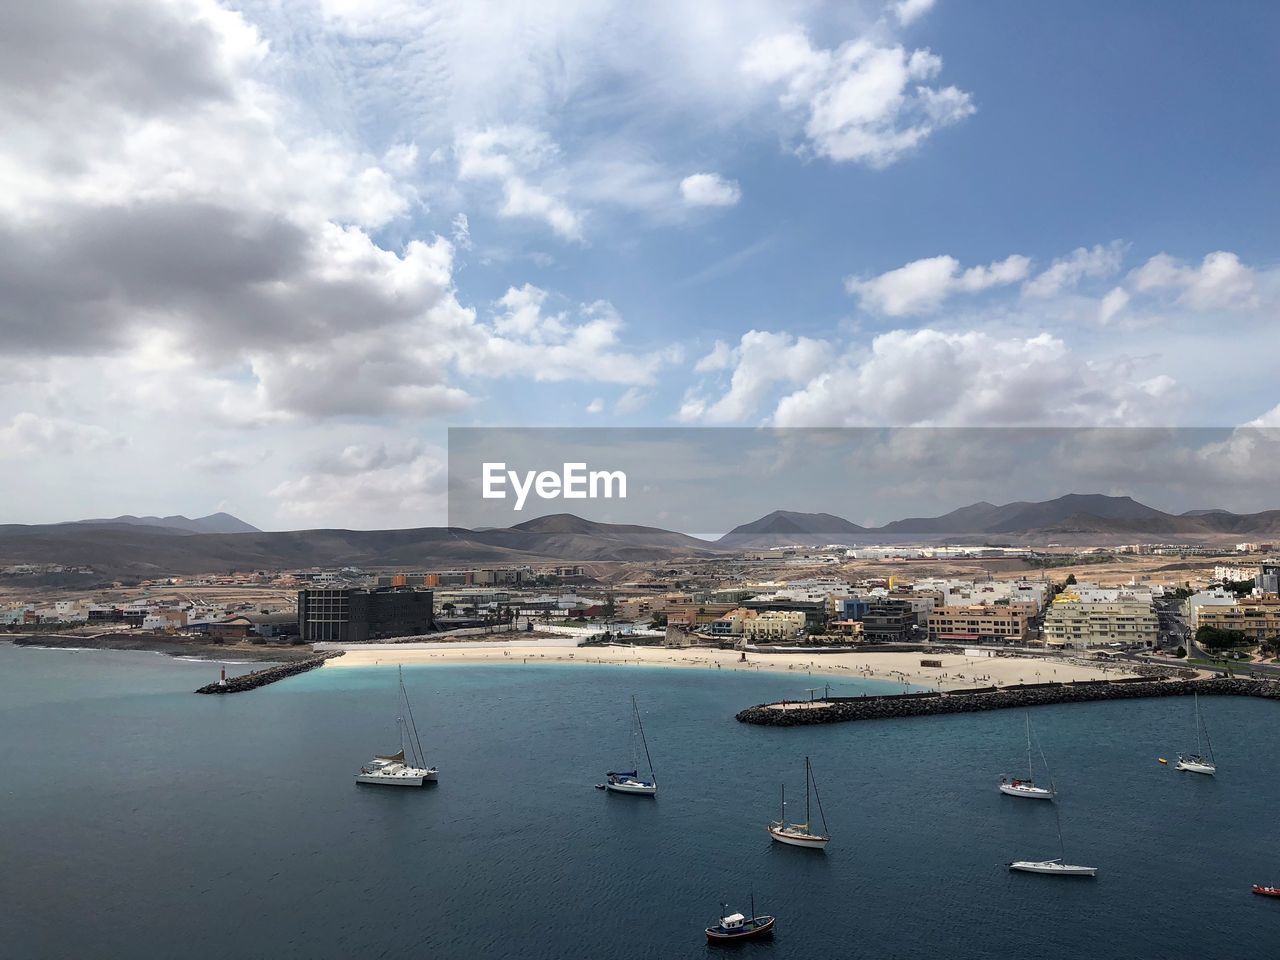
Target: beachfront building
x,y
1258,618
963,593
772,625
1076,623
888,621
349,615
1002,623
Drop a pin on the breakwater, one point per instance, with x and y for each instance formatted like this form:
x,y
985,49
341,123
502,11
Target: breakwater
x,y
260,678
892,706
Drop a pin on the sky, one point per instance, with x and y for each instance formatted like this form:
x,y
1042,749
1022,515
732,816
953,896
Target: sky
x,y
260,256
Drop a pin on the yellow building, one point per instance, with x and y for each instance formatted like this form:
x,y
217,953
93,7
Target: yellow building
x,y
1075,623
1258,620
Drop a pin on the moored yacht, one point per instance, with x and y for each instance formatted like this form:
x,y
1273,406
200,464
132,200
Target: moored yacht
x,y
1019,787
630,781
397,770
738,926
1053,867
800,834
1198,762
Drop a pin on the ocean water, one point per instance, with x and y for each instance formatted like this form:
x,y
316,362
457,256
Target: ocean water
x,y
140,821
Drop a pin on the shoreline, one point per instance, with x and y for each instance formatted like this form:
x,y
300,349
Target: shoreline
x,y
956,672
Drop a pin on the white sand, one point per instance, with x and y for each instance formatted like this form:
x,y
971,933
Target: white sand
x,y
956,671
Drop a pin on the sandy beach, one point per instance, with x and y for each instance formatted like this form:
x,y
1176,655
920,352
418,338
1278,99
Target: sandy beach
x,y
956,671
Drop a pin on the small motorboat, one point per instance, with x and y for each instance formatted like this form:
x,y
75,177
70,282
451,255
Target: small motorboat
x,y
1163,760
1054,868
1262,891
737,926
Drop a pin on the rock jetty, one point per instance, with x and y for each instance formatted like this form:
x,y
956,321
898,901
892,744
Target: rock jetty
x,y
892,706
260,678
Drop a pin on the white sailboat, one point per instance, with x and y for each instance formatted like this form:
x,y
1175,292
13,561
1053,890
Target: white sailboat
x,y
630,781
1197,762
397,770
1017,787
799,834
1058,867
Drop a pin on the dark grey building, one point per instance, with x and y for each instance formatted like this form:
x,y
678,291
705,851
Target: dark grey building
x,y
888,621
1268,578
348,615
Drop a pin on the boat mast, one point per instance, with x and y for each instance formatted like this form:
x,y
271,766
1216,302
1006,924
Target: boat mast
x,y
783,819
808,768
806,791
1196,694
1062,849
1030,771
420,758
639,723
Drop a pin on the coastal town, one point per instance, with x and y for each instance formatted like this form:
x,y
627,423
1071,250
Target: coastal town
x,y
929,615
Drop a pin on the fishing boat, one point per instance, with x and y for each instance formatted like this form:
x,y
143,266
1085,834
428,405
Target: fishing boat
x,y
1058,867
737,926
1017,787
397,769
799,834
1262,891
630,781
1199,762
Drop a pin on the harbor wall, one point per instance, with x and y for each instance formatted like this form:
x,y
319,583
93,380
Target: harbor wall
x,y
893,706
260,678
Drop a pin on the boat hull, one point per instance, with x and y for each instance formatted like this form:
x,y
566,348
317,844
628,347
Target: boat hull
x,y
417,778
1190,766
1029,793
808,841
1262,891
1053,868
634,788
760,927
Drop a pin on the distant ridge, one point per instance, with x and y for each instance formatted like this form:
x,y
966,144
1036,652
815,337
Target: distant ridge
x,y
154,546
790,527
213,523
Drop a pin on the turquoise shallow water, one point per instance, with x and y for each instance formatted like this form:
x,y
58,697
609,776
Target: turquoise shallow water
x,y
142,821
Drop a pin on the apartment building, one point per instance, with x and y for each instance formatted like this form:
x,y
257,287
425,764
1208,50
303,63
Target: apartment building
x,y
1258,618
1077,623
772,625
1008,622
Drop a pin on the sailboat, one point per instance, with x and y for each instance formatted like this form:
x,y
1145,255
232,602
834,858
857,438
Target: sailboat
x,y
1027,788
1197,762
799,834
630,781
397,770
1059,867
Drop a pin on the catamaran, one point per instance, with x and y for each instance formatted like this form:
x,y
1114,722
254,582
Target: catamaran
x,y
1058,867
630,781
397,770
799,834
1197,762
1018,787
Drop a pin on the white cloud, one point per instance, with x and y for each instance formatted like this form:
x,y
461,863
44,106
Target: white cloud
x,y
721,357
1221,280
1065,272
368,487
975,378
908,11
525,339
633,400
1112,305
761,361
510,155
596,405
862,102
709,190
28,434
922,285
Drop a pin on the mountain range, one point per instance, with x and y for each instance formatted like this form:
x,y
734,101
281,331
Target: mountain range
x,y
156,546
